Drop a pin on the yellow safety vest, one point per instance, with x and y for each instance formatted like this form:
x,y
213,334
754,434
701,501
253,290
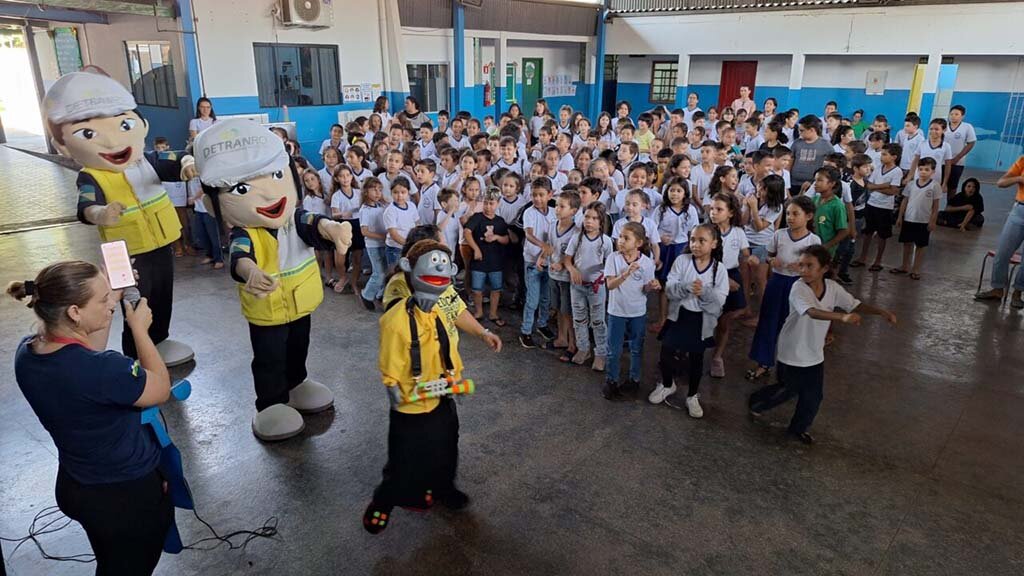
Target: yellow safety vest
x,y
287,258
148,221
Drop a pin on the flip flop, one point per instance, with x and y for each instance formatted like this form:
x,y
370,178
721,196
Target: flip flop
x,y
990,295
566,357
898,271
498,322
915,276
857,264
874,268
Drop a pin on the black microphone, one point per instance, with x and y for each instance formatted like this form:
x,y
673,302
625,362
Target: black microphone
x,y
132,296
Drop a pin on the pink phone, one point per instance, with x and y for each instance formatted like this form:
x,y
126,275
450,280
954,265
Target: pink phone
x,y
118,263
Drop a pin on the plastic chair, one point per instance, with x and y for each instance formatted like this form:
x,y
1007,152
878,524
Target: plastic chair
x,y
1015,261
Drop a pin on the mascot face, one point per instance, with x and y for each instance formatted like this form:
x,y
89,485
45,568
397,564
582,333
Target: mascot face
x,y
111,143
262,202
430,271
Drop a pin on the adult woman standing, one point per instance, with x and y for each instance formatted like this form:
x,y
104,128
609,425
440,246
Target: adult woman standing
x,y
381,108
205,117
87,398
412,113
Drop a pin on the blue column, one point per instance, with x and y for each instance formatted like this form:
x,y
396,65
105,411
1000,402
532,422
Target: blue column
x,y
459,29
192,73
598,89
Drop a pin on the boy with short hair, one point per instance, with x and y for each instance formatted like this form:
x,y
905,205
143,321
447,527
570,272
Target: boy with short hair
x,y
910,139
536,226
560,233
424,173
486,234
552,156
961,138
509,159
563,142
884,185
918,215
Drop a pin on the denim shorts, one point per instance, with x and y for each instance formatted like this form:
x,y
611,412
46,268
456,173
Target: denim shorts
x,y
760,252
479,279
561,298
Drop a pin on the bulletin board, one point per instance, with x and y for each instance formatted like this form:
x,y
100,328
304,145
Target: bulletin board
x,y
65,44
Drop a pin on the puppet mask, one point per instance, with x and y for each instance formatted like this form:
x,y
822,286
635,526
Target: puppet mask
x,y
430,271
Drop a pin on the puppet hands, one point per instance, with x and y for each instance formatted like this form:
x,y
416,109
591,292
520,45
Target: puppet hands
x,y
259,283
338,232
108,215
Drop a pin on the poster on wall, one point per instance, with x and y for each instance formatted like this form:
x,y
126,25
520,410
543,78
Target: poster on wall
x,y
558,85
65,44
875,83
365,92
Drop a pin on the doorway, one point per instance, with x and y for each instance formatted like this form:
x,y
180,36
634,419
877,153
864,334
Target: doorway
x,y
20,120
533,74
611,84
736,73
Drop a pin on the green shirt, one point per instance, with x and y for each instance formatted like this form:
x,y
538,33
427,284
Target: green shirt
x,y
829,219
859,128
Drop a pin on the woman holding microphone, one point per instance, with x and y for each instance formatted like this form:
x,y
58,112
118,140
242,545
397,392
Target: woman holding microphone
x,y
89,399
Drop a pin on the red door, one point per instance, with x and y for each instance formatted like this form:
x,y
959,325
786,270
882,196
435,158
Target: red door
x,y
736,73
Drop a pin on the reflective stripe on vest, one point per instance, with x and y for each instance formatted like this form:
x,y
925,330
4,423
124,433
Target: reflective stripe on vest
x,y
287,258
149,220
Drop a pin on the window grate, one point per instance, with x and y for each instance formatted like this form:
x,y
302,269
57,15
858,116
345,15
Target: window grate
x,y
297,75
663,82
151,71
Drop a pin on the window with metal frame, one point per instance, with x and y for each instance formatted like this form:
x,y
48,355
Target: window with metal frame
x,y
428,83
151,72
663,82
297,75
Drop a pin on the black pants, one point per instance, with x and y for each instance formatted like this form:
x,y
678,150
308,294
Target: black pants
x,y
423,454
671,363
156,284
514,267
955,173
278,360
803,382
126,522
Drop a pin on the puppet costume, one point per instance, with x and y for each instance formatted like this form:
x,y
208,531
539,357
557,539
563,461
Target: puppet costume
x,y
93,120
251,182
423,431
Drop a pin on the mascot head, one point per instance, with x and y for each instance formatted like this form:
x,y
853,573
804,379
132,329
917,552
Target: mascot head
x,y
247,174
93,119
429,271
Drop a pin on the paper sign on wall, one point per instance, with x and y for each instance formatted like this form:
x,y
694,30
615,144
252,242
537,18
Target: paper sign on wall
x,y
875,83
365,92
558,85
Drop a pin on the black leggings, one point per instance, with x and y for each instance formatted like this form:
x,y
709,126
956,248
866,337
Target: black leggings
x,y
126,522
671,364
423,454
156,285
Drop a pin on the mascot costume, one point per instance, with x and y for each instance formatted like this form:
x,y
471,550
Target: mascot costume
x,y
252,183
94,120
421,368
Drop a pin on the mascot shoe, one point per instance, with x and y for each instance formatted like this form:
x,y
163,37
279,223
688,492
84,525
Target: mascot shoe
x,y
174,353
310,397
277,422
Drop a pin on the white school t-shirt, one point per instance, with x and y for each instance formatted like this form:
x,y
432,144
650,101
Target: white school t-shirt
x,y
559,245
362,175
509,209
539,224
733,242
676,224
589,254
343,203
893,177
650,228
764,236
386,181
919,200
314,204
958,139
802,339
702,180
402,219
628,299
566,163
910,146
372,218
787,250
688,116
452,229
429,204
684,273
940,154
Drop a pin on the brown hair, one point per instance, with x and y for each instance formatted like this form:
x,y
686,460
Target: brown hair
x,y
54,289
423,247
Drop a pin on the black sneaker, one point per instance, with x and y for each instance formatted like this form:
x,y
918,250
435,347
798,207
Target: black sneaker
x,y
610,390
376,518
803,437
368,304
526,341
630,387
546,333
454,500
844,279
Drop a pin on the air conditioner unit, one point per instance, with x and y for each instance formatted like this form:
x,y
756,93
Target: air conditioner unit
x,y
306,13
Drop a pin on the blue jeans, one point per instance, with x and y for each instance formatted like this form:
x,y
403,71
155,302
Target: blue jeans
x,y
588,312
1010,240
618,328
391,256
378,265
206,234
537,298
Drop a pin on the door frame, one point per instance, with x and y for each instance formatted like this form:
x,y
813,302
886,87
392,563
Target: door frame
x,y
726,100
526,104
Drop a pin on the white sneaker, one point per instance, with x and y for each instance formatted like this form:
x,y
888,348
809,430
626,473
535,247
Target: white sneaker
x,y
693,406
659,393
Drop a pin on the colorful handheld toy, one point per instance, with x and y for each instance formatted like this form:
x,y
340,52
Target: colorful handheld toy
x,y
446,386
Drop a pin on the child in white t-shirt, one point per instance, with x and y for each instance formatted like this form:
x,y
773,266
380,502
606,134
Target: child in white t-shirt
x,y
399,218
587,253
801,353
919,213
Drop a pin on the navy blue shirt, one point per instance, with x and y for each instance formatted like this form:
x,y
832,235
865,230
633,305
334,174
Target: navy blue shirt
x,y
84,400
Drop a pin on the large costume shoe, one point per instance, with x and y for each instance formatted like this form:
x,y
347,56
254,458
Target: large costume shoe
x,y
277,422
174,353
310,397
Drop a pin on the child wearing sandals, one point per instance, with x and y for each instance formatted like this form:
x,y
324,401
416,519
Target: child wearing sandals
x,y
587,252
486,235
783,256
371,221
725,214
697,288
919,213
801,355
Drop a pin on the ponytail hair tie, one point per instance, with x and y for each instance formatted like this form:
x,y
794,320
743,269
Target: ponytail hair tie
x,y
30,288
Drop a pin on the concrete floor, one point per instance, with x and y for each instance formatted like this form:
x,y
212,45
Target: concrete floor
x,y
918,467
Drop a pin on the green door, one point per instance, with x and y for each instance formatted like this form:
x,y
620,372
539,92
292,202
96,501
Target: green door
x,y
533,72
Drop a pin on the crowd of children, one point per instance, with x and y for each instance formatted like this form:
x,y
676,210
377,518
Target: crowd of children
x,y
732,218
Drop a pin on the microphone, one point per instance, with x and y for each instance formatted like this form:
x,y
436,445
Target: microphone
x,y
132,296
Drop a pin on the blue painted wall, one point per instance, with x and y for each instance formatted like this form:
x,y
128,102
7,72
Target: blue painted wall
x,y
171,123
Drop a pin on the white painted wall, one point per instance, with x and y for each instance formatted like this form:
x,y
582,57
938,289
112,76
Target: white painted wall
x,y
105,45
981,29
772,70
851,71
559,57
989,73
228,28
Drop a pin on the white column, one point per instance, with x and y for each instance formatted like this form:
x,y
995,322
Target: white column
x,y
682,80
796,80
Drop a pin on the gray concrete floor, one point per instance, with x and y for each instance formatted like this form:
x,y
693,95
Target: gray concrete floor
x,y
918,467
